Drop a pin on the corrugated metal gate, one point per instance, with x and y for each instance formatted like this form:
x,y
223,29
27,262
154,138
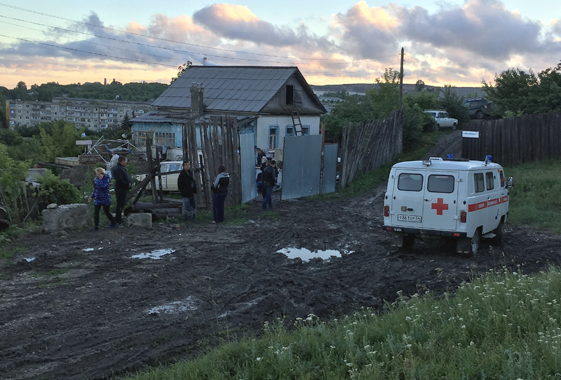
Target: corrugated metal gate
x,y
301,174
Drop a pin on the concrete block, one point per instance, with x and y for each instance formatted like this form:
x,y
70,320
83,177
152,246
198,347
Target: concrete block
x,y
74,216
142,219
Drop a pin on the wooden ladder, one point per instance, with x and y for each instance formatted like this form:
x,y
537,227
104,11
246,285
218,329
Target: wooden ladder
x,y
297,123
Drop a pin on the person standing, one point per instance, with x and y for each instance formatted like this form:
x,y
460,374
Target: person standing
x,y
187,186
219,193
111,164
123,183
269,179
101,198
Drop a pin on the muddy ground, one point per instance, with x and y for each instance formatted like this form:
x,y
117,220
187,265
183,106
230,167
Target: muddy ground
x,y
85,308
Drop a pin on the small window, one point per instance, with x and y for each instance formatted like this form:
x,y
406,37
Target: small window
x,y
410,182
289,94
490,180
440,184
479,182
502,177
290,131
305,130
272,138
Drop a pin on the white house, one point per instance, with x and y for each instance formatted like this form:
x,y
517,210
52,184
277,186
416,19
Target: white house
x,y
278,101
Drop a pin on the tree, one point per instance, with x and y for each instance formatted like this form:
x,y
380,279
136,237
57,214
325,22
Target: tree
x,y
419,86
453,104
181,69
11,183
385,97
354,108
57,139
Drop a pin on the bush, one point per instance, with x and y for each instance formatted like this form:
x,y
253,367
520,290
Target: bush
x,y
54,190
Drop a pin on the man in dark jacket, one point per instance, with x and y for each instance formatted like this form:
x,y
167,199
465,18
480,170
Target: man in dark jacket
x,y
123,183
269,181
187,186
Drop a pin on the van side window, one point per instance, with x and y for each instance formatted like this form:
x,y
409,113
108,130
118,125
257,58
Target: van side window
x,y
490,180
440,183
410,182
479,182
502,177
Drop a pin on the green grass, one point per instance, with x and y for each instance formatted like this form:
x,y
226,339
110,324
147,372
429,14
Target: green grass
x,y
501,326
535,199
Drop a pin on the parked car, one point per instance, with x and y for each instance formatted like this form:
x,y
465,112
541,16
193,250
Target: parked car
x,y
478,108
443,120
169,181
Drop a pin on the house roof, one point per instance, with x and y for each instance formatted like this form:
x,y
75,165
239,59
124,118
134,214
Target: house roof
x,y
179,118
231,88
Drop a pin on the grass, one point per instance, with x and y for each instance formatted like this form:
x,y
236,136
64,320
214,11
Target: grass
x,y
500,326
535,198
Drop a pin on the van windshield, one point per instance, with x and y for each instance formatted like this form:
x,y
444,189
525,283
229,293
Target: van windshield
x,y
410,182
440,184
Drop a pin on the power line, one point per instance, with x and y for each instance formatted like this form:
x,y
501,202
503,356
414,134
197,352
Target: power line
x,y
183,43
134,43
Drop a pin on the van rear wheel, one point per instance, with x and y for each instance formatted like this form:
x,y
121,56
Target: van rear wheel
x,y
467,246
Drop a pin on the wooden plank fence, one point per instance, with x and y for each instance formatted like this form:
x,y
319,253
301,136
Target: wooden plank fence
x,y
515,140
219,146
366,147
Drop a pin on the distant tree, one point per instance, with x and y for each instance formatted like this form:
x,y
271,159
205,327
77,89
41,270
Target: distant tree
x,y
10,137
57,139
453,104
419,86
385,97
182,69
354,108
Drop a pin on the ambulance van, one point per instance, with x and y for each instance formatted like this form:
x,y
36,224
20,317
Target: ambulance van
x,y
462,199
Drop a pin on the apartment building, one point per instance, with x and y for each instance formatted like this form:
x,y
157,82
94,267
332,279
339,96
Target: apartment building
x,y
93,114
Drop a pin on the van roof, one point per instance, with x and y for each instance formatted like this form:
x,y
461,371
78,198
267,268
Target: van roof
x,y
441,164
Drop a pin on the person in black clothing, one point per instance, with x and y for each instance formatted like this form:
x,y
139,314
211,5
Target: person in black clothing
x,y
187,186
219,192
123,183
269,179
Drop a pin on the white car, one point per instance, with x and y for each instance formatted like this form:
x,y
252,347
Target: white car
x,y
169,181
443,120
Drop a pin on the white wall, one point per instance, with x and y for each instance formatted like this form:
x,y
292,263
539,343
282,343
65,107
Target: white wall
x,y
281,122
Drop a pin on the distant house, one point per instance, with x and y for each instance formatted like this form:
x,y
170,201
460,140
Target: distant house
x,y
272,102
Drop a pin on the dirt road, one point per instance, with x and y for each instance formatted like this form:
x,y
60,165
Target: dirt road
x,y
84,307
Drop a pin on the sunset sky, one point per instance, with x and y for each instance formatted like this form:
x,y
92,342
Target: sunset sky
x,y
457,42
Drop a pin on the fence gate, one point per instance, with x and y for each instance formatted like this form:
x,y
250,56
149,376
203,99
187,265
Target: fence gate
x,y
301,166
247,155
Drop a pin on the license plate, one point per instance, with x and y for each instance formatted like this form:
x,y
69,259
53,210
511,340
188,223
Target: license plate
x,y
409,218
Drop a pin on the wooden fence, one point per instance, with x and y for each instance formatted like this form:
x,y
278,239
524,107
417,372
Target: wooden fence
x,y
515,140
219,146
366,147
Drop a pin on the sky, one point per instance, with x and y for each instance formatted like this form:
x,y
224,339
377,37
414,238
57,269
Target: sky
x,y
456,42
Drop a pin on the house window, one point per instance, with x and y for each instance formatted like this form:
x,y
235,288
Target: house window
x,y
273,131
164,138
141,137
289,130
289,94
306,130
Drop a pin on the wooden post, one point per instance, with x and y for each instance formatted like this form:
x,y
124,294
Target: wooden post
x,y
401,82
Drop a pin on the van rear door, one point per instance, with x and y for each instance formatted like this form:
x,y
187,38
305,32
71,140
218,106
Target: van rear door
x,y
407,198
440,201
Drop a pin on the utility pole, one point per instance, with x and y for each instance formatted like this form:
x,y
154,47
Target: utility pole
x,y
401,82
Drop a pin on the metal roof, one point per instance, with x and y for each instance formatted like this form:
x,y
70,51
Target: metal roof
x,y
177,118
440,164
228,88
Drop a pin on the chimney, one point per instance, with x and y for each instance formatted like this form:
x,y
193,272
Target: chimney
x,y
197,97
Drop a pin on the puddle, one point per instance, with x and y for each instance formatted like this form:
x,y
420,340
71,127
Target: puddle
x,y
156,255
87,249
30,259
306,254
175,307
